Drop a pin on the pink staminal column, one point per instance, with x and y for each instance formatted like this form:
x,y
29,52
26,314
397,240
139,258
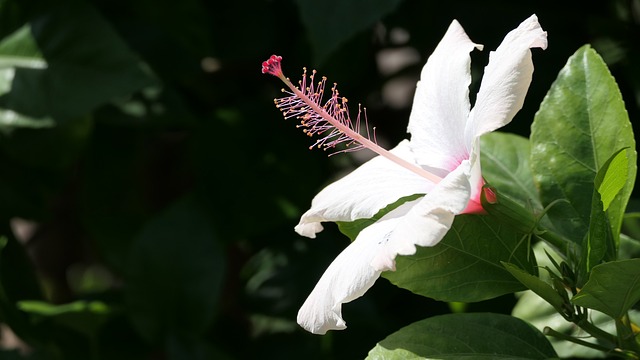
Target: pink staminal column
x,y
331,120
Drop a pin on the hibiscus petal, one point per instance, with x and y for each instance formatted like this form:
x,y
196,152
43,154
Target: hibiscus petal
x,y
475,174
428,221
506,79
348,277
441,102
361,194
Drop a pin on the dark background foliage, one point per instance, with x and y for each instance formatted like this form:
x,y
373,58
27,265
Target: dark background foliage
x,y
147,179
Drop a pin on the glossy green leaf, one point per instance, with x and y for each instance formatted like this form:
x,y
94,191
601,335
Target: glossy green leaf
x,y
599,243
613,288
175,273
465,336
331,23
466,265
581,123
505,166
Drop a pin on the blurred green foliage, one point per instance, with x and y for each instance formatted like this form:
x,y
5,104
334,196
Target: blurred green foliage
x,y
149,188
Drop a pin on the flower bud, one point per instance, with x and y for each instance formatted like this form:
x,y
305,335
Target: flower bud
x,y
507,210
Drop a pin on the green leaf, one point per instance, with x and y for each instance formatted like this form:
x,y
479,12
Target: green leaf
x,y
538,286
612,177
331,23
599,243
61,66
465,336
613,288
581,123
466,265
505,166
353,228
629,248
19,51
175,274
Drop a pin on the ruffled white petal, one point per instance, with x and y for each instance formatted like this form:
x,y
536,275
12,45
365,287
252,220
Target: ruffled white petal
x,y
361,194
429,219
348,277
506,79
441,102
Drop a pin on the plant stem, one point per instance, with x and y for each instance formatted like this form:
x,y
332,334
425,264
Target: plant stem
x,y
598,333
626,337
608,351
550,332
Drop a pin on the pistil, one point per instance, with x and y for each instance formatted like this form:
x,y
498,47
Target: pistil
x,y
332,120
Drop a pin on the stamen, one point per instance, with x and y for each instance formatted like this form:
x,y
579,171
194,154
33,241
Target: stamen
x,y
331,120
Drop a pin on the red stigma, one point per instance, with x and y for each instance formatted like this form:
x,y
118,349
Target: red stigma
x,y
272,66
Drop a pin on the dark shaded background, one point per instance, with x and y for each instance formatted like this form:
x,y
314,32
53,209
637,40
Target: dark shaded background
x,y
171,202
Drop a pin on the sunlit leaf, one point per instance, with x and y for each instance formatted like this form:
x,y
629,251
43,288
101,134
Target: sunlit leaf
x,y
612,178
581,123
599,243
